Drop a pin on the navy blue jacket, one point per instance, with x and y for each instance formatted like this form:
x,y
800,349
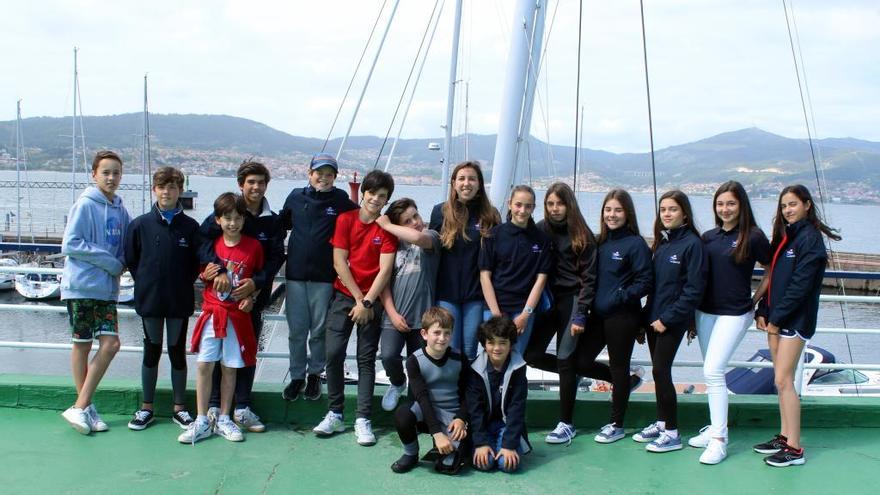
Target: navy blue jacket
x,y
458,279
481,407
796,275
624,273
310,216
163,260
680,269
515,256
574,273
267,229
729,285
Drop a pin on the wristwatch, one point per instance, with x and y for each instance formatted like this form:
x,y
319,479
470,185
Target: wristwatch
x,y
529,310
367,303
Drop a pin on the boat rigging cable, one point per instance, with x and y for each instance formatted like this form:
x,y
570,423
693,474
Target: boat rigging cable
x,y
354,75
412,69
577,97
412,93
802,85
648,91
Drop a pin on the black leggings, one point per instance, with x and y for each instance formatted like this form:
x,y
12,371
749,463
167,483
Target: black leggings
x,y
619,331
575,355
663,348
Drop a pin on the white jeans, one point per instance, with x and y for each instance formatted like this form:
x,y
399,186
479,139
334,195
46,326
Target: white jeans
x,y
719,336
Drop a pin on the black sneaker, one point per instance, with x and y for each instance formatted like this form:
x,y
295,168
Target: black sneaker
x,y
293,389
313,387
183,418
141,420
405,463
787,456
773,446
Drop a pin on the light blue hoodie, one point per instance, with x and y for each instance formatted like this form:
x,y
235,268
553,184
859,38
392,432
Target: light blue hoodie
x,y
93,244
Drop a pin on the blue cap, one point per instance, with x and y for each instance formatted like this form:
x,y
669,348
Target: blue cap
x,y
323,160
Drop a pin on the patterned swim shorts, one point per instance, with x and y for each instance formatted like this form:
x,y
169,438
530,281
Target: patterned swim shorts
x,y
91,318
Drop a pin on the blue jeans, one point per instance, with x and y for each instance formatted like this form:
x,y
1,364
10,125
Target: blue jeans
x,y
496,434
468,317
523,340
306,305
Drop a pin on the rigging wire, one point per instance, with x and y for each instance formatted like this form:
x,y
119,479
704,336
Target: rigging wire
x,y
577,97
353,76
648,92
406,84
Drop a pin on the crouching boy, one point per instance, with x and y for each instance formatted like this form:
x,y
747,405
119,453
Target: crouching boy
x,y
496,399
437,382
224,331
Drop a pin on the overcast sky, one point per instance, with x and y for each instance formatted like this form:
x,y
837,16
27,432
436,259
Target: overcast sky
x,y
715,66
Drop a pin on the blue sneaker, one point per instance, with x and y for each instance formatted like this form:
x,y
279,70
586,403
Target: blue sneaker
x,y
666,443
563,433
648,433
609,434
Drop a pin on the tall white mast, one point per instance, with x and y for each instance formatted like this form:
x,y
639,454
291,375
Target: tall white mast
x,y
73,134
516,103
146,172
450,104
19,154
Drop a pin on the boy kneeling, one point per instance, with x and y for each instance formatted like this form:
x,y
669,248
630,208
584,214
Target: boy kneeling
x,y
224,331
496,399
437,381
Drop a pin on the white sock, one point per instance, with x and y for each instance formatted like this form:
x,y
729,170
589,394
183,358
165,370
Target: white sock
x,y
223,418
661,424
672,433
201,418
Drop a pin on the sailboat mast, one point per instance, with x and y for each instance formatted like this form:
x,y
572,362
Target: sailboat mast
x,y
450,103
19,145
145,159
73,134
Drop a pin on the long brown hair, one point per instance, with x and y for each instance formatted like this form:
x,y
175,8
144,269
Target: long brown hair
x,y
813,215
578,230
629,209
685,204
746,221
455,213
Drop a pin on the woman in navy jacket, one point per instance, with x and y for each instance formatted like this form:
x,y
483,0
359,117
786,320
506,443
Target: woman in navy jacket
x,y
679,279
624,276
789,309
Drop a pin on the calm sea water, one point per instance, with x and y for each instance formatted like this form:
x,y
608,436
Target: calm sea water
x,y
46,209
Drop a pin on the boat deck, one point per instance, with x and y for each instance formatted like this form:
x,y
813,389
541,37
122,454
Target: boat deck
x,y
42,454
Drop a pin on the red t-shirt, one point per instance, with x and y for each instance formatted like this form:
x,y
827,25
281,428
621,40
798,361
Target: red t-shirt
x,y
241,261
364,242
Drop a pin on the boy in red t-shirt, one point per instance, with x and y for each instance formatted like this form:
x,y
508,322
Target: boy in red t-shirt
x,y
363,256
224,331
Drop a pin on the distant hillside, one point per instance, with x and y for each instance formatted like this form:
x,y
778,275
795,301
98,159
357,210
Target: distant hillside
x,y
213,142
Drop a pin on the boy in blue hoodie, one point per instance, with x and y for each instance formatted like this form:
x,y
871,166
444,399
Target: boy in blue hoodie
x,y
93,244
496,399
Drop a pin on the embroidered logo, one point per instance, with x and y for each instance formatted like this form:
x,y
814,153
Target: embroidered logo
x,y
615,256
377,240
536,248
674,259
182,242
734,243
330,211
262,236
789,253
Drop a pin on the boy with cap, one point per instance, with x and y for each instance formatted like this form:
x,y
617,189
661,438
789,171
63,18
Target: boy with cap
x,y
310,214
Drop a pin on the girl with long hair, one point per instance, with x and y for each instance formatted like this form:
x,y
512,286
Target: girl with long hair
x,y
789,309
732,248
679,279
624,276
463,221
514,263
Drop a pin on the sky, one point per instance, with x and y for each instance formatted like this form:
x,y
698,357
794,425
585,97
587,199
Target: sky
x,y
714,66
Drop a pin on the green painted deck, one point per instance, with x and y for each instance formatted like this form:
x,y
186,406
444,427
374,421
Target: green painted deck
x,y
42,454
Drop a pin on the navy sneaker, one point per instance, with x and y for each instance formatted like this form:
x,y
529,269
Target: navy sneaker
x,y
787,456
665,443
773,446
141,420
648,433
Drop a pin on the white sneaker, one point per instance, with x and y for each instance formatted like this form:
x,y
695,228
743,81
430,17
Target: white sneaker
x,y
248,420
702,440
392,396
609,434
197,430
563,433
715,452
229,430
332,423
78,419
664,443
648,433
363,431
95,421
213,416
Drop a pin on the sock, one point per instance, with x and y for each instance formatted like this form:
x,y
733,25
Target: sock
x,y
411,448
224,418
338,414
449,459
672,433
661,424
201,418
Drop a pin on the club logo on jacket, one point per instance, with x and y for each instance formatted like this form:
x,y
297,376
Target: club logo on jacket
x,y
377,240
262,236
182,242
734,243
674,259
536,248
330,211
615,256
789,253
